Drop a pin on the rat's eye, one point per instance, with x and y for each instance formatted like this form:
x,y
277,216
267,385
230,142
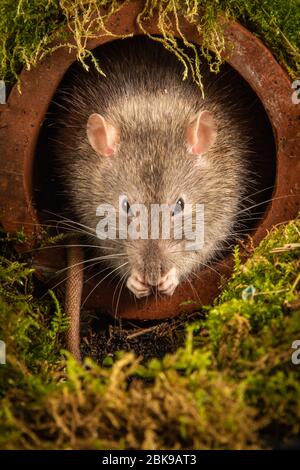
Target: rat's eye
x,y
179,206
125,205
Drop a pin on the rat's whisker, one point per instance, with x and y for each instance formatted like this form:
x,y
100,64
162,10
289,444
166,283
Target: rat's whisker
x,y
67,246
103,279
63,218
264,202
68,277
122,281
98,258
97,273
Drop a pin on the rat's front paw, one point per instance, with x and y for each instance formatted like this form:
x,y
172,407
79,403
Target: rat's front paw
x,y
137,286
169,282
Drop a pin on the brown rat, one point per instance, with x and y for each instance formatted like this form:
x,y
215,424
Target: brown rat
x,y
143,133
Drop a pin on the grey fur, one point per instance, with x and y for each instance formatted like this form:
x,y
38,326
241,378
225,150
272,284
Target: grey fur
x,y
144,96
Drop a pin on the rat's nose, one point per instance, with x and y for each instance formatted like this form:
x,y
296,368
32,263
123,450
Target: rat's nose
x,y
153,273
154,263
167,282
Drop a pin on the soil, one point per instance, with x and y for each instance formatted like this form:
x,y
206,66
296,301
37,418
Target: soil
x,y
103,336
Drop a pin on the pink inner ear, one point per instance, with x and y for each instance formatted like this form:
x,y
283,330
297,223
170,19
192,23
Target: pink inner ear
x,y
201,133
102,136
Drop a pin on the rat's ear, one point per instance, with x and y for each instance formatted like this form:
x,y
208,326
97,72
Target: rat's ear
x,y
102,136
201,133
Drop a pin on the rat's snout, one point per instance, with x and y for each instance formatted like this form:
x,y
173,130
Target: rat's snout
x,y
154,264
155,271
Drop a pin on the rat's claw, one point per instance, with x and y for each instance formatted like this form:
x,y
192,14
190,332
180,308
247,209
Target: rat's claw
x,y
169,282
135,284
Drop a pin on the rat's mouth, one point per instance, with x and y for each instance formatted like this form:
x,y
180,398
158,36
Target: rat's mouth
x,y
166,284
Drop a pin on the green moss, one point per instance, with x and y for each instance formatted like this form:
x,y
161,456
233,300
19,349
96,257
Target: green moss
x,y
270,274
231,382
31,328
31,29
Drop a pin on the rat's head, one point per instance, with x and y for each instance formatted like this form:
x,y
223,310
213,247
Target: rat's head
x,y
156,179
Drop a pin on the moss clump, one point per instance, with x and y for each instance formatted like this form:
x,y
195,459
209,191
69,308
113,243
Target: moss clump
x,y
232,385
31,29
31,328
